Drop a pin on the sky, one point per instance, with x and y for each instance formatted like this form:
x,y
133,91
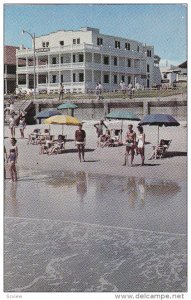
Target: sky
x,y
163,26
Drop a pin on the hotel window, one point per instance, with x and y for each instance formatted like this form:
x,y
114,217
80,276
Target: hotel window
x,y
127,46
129,79
129,62
81,77
106,78
115,79
149,53
123,78
54,60
74,77
81,57
148,68
62,60
78,41
61,79
53,78
74,58
138,48
61,43
47,44
74,41
117,44
106,60
115,61
43,44
99,41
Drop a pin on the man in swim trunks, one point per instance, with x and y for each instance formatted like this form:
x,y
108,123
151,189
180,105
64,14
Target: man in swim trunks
x,y
80,139
130,144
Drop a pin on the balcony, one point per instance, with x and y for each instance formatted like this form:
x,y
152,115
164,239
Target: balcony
x,y
81,48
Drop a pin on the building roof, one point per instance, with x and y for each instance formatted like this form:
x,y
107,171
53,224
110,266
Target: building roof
x,y
10,55
183,65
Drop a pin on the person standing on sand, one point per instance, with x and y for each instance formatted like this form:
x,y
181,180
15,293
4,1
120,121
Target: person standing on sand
x,y
5,159
80,140
130,144
12,158
22,126
61,91
12,125
99,128
141,144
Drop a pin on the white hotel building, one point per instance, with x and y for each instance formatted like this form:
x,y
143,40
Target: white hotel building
x,y
84,57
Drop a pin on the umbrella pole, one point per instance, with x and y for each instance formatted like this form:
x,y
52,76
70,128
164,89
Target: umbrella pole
x,y
121,131
158,135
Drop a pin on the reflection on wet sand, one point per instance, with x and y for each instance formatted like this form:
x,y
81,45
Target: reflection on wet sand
x,y
126,201
81,184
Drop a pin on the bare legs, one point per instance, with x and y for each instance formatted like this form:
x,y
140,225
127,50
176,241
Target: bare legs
x,y
81,151
129,151
13,171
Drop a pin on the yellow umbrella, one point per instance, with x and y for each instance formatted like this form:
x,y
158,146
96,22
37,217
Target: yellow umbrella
x,y
62,120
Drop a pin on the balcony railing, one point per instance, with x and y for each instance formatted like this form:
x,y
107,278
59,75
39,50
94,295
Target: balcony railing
x,y
108,50
77,66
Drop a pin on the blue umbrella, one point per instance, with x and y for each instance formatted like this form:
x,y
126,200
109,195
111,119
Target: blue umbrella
x,y
44,114
159,120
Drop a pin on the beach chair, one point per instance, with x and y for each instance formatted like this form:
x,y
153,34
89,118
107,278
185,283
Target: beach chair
x,y
116,138
58,146
161,150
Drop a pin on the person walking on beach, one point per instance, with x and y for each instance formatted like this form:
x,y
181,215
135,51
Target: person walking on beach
x,y
141,144
12,158
80,140
5,159
99,129
12,125
130,144
22,126
61,91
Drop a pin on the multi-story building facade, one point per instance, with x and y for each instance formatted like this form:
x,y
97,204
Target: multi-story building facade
x,y
9,69
82,58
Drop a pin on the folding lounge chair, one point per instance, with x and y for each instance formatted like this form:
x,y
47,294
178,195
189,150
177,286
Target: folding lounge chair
x,y
116,139
162,148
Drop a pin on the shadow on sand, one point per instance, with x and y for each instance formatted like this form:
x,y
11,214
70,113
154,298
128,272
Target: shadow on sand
x,y
175,153
76,150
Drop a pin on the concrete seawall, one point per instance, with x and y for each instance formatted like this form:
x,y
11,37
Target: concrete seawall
x,y
93,109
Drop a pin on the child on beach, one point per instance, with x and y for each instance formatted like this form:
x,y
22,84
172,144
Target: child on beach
x,y
12,158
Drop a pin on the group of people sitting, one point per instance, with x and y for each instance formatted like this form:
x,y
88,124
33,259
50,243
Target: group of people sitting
x,y
46,141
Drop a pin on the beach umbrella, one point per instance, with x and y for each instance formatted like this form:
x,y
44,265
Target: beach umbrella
x,y
44,114
68,105
62,120
159,120
122,115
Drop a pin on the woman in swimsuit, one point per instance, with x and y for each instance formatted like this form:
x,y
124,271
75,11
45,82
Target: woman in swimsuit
x,y
141,144
12,158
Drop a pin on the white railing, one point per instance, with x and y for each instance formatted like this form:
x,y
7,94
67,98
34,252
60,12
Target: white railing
x,y
82,47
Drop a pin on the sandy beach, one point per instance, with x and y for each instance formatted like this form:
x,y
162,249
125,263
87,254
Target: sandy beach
x,y
107,160
97,226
